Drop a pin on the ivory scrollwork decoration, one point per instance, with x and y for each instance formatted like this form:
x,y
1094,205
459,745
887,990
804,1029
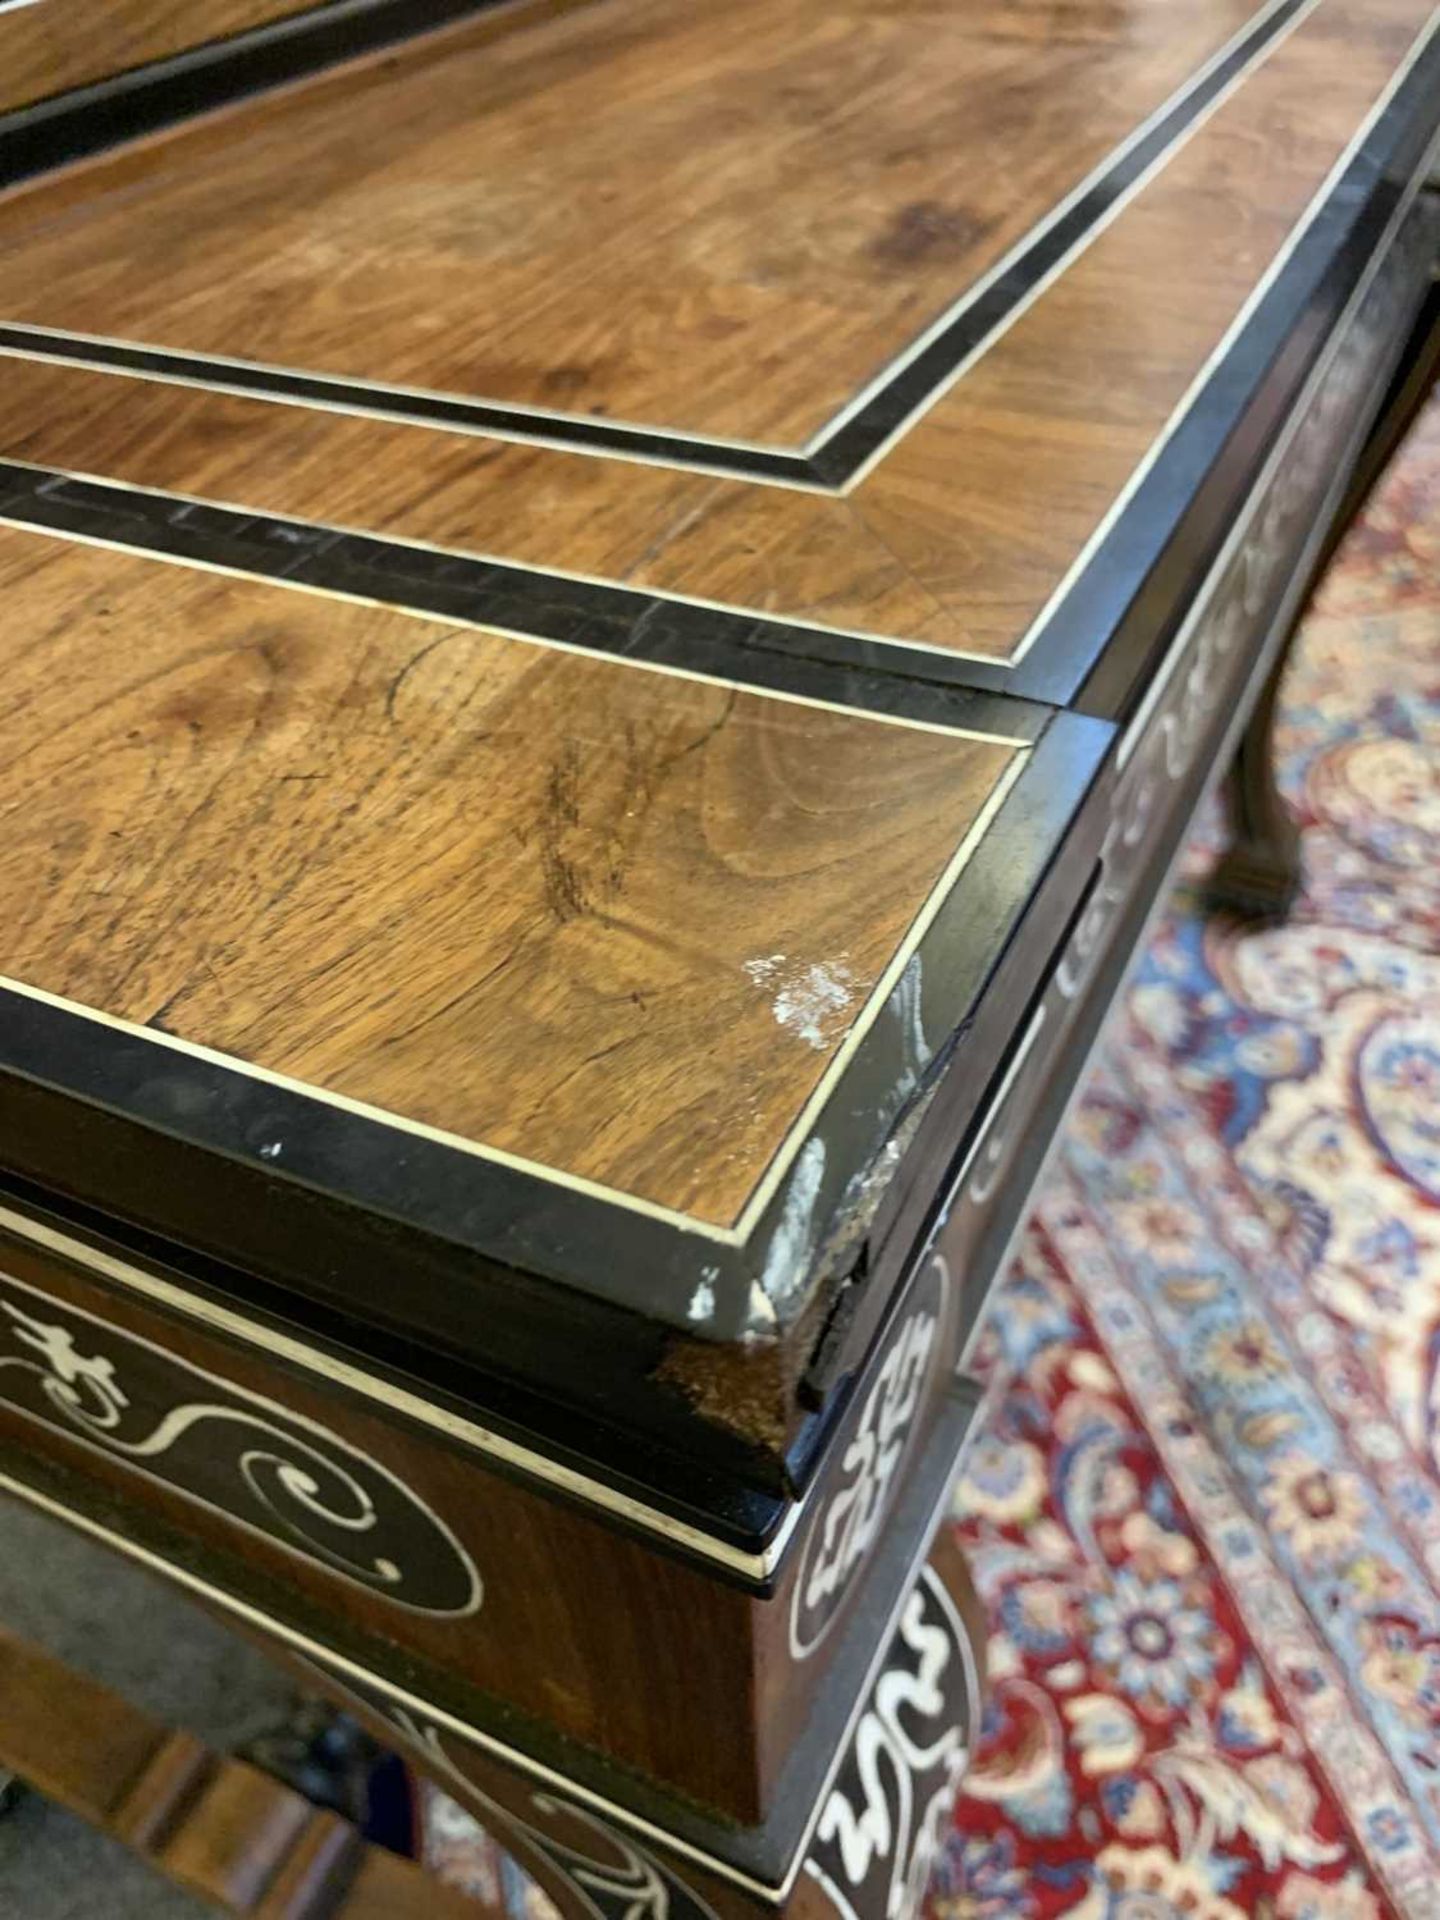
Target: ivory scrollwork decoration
x,y
853,1506
273,1471
880,1825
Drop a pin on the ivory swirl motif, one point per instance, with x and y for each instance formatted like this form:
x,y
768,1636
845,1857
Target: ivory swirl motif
x,y
307,1488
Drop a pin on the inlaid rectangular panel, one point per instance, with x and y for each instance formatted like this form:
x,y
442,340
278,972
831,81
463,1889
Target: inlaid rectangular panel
x,y
893,357
615,923
720,220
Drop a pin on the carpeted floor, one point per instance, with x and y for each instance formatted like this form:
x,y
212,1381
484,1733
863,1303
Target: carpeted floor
x,y
1205,1512
1205,1515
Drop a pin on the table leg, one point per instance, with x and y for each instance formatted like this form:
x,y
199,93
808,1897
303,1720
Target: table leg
x,y
1260,874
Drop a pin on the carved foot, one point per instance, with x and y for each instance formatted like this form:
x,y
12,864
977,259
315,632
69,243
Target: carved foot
x,y
1258,880
1260,875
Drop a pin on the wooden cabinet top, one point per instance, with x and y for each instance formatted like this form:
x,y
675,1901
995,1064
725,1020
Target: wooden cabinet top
x,y
606,922
566,586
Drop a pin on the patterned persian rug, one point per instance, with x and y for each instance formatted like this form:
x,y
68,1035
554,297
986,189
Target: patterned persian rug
x,y
1205,1510
1205,1513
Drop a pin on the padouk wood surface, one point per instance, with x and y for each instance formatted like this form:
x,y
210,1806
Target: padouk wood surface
x,y
48,48
957,539
507,891
721,218
221,1828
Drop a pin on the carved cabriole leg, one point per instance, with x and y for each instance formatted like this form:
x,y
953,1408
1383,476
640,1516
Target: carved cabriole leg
x,y
868,1842
1260,873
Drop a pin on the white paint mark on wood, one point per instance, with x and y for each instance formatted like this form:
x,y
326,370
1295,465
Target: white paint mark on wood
x,y
909,1012
788,1259
702,1301
762,1315
812,1002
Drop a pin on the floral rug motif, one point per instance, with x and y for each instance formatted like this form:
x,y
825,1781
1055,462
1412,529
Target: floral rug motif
x,y
1204,1511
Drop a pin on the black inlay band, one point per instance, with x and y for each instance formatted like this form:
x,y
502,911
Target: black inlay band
x,y
399,404
845,448
827,465
588,615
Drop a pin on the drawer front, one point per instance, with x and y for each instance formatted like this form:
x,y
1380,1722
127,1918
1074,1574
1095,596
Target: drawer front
x,y
52,46
336,1516
270,1475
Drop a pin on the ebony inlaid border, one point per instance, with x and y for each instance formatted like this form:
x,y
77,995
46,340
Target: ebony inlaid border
x,y
851,443
832,461
564,610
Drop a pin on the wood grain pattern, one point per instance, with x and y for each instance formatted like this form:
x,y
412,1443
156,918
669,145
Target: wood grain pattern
x,y
723,219
51,47
958,537
506,891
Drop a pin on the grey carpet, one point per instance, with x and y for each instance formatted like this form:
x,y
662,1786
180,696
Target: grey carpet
x,y
118,1623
